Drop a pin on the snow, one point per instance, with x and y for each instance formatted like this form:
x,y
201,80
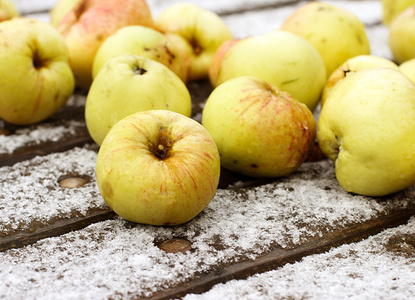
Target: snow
x,y
119,259
380,267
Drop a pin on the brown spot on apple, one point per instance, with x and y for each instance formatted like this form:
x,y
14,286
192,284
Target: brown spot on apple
x,y
106,189
197,48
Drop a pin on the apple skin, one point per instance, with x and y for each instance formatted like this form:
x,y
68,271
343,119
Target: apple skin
x,y
35,77
355,64
130,83
204,30
336,33
280,58
408,68
8,10
60,9
145,185
402,36
143,41
214,67
90,22
392,8
260,131
366,127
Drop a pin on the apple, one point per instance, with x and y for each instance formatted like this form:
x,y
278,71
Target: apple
x,y
260,131
8,10
402,35
280,58
214,67
204,31
61,8
408,68
336,33
355,64
130,83
89,22
366,127
392,8
143,41
35,77
158,167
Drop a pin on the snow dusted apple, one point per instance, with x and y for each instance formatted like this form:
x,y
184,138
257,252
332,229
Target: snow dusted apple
x,y
158,167
260,130
85,24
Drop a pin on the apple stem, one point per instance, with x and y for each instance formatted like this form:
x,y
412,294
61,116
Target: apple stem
x,y
161,151
139,71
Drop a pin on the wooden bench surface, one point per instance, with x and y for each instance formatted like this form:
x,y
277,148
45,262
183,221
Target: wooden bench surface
x,y
57,242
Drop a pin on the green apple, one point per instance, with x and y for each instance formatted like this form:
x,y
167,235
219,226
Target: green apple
x,y
367,127
281,58
158,167
8,10
336,33
35,77
402,35
143,41
89,22
260,130
355,64
408,68
130,83
392,8
204,30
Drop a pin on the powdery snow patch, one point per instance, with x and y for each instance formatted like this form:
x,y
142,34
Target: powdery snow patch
x,y
380,267
36,134
30,191
119,259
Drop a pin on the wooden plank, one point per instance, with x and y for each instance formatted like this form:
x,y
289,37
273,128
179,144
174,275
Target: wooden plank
x,y
59,227
279,257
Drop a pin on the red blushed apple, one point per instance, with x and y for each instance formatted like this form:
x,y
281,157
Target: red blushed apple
x,y
89,22
158,167
217,59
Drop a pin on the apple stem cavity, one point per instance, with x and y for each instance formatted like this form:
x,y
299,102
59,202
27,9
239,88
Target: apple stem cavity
x,y
164,144
139,71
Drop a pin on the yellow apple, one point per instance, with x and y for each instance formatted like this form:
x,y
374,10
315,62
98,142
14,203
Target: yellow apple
x,y
35,77
280,58
392,8
158,167
408,68
402,35
130,83
8,10
367,127
61,8
260,130
89,22
355,64
203,30
143,41
336,33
